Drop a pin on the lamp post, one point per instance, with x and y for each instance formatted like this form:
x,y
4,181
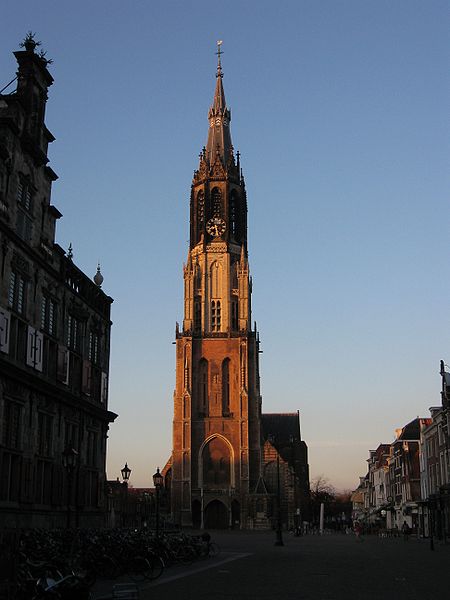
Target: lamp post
x,y
146,503
279,535
158,480
390,510
69,462
125,472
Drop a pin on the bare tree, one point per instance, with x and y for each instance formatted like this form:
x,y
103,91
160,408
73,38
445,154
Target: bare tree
x,y
322,490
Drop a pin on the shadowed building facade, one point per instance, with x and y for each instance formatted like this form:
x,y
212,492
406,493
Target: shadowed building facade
x,y
54,332
216,466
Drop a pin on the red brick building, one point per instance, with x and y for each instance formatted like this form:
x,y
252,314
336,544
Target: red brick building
x,y
218,454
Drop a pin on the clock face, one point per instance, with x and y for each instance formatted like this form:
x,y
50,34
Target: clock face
x,y
216,226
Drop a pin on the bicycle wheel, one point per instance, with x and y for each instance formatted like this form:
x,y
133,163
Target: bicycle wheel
x,y
155,567
213,549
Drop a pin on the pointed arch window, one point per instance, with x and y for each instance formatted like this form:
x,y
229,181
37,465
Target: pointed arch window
x,y
216,202
216,276
200,214
226,387
217,464
203,386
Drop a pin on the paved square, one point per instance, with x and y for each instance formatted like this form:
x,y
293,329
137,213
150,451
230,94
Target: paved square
x,y
329,567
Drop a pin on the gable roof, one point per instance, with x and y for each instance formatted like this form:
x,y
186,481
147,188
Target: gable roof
x,y
281,428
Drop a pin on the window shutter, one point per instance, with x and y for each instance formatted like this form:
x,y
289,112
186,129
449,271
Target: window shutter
x,y
31,346
35,343
104,388
87,377
39,345
63,365
5,320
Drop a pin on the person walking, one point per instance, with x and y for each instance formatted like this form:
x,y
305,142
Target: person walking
x,y
406,530
358,531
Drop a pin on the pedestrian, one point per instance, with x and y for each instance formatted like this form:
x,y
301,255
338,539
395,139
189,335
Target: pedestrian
x,y
358,531
406,530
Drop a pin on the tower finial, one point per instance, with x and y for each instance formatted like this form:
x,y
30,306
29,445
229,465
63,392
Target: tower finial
x,y
219,54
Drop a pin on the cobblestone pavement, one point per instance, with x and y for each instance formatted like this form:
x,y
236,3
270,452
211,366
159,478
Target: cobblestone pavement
x,y
328,567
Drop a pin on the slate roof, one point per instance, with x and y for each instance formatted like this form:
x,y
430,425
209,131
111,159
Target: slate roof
x,y
281,428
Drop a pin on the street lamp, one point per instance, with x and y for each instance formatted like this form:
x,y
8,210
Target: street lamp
x,y
69,462
126,472
158,481
279,535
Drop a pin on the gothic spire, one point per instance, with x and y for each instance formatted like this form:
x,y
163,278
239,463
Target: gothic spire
x,y
219,117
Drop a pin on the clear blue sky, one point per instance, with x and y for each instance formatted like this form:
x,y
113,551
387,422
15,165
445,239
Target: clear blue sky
x,y
340,111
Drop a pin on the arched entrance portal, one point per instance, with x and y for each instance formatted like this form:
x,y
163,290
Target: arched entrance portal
x,y
216,515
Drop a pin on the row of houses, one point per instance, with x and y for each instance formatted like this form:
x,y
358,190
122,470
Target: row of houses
x,y
408,480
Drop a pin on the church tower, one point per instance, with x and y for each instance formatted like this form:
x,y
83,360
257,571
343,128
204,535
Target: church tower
x,y
216,457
